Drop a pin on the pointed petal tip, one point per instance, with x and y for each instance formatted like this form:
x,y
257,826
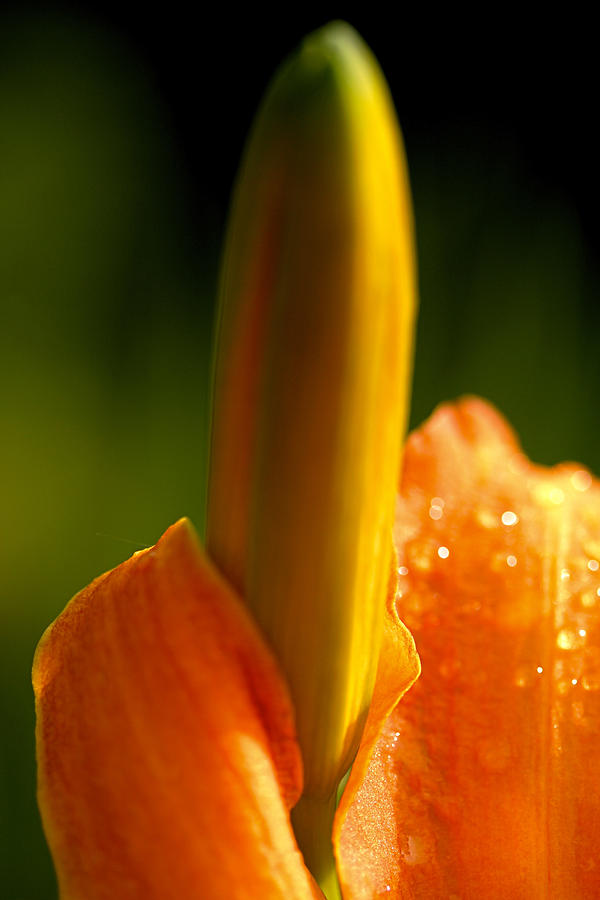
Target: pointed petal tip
x,y
179,533
165,733
481,777
470,418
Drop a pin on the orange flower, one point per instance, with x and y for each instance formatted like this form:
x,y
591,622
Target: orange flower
x,y
167,756
166,737
482,783
166,745
166,748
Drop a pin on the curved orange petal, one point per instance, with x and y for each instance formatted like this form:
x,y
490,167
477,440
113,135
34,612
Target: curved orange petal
x,y
166,747
489,761
360,826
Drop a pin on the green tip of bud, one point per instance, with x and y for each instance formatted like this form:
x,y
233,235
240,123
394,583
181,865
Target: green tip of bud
x,y
312,371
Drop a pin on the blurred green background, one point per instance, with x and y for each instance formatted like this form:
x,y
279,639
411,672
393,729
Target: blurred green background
x,y
119,139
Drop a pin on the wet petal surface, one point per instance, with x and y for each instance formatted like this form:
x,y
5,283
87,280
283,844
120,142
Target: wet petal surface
x,y
483,781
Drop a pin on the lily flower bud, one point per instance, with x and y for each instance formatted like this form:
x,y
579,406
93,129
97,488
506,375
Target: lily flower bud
x,y
311,379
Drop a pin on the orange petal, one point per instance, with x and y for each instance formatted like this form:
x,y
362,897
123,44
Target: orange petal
x,y
490,760
359,831
166,747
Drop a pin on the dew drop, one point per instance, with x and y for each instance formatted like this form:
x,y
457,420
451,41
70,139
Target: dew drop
x,y
593,565
436,512
511,561
539,670
509,518
581,480
402,570
443,552
567,640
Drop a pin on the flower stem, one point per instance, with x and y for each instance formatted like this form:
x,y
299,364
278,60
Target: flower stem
x,y
312,818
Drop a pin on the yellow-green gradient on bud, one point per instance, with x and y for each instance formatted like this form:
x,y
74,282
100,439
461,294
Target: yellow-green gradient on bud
x,y
311,382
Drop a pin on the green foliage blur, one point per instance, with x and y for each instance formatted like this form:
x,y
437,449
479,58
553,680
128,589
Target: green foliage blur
x,y
106,297
105,309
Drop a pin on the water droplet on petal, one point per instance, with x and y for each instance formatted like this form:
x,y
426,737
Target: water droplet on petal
x,y
581,480
568,640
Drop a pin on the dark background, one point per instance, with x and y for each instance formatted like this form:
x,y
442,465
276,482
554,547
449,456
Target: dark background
x,y
120,133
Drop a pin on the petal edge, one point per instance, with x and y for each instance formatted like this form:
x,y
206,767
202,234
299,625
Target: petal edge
x,y
166,748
